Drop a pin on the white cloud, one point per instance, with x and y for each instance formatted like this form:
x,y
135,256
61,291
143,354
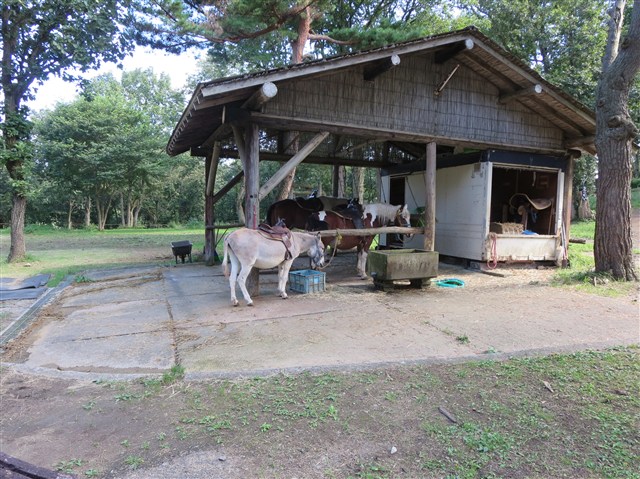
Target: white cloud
x,y
177,67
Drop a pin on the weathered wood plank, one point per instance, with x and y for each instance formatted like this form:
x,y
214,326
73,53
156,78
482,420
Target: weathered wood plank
x,y
373,231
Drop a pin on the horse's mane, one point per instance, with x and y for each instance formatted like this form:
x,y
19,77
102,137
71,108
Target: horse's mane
x,y
386,213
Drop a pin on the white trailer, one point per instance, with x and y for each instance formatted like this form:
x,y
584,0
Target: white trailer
x,y
483,212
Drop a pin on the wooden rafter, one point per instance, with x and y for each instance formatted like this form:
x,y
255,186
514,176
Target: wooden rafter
x,y
381,66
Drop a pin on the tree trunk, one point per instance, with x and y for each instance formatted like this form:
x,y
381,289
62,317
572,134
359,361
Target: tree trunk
x,y
103,213
338,181
291,137
615,132
14,164
136,214
69,212
87,212
123,216
358,183
18,248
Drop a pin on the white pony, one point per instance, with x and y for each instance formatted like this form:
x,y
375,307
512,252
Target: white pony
x,y
246,248
387,213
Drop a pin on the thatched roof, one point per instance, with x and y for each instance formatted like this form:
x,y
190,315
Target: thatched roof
x,y
206,116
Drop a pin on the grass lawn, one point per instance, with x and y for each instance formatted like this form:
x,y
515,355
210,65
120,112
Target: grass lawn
x,y
63,252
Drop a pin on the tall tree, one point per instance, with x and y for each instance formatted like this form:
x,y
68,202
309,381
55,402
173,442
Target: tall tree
x,y
104,145
41,38
615,133
562,39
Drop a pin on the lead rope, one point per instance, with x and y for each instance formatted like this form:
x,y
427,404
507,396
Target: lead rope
x,y
333,253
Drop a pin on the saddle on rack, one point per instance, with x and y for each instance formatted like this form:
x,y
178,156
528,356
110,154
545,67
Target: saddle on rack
x,y
278,232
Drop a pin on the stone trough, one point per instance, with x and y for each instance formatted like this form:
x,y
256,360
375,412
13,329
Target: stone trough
x,y
417,266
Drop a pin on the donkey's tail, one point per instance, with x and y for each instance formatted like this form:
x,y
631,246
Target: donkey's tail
x,y
225,257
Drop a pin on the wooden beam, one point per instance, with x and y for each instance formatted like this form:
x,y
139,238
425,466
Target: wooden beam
x,y
585,141
451,51
238,134
442,85
298,124
373,231
430,199
532,90
380,67
291,164
213,168
262,95
313,160
225,189
219,133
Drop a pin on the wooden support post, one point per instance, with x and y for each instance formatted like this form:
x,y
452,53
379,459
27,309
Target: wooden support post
x,y
430,199
291,164
210,254
252,176
249,151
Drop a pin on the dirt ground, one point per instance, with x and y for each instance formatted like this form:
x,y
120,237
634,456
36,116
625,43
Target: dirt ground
x,y
288,426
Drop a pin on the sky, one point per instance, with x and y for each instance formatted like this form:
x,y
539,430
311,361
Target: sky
x,y
178,67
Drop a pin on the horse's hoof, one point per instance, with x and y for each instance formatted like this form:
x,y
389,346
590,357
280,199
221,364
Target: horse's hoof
x,y
234,303
250,304
284,296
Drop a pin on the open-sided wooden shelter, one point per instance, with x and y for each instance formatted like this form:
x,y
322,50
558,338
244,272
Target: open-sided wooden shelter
x,y
449,102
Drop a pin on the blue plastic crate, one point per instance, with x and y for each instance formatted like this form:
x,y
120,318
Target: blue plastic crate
x,y
307,281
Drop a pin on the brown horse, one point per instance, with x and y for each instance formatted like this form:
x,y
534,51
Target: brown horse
x,y
375,216
294,213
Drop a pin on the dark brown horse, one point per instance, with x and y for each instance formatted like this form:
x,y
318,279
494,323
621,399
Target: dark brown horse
x,y
295,212
376,215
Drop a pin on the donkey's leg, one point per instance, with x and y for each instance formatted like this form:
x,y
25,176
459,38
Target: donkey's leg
x,y
283,275
233,276
242,282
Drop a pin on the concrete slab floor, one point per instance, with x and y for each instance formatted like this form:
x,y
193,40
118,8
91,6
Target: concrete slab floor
x,y
146,320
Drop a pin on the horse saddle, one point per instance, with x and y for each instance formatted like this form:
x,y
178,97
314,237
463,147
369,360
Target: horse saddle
x,y
350,212
278,233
